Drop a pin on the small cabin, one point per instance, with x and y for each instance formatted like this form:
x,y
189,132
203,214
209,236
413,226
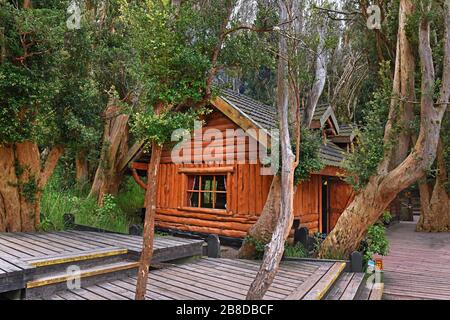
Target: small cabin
x,y
216,182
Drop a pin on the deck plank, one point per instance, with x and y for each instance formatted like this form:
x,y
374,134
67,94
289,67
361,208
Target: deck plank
x,y
418,264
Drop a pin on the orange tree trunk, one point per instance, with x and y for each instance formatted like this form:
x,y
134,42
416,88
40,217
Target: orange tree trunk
x,y
81,168
22,179
149,223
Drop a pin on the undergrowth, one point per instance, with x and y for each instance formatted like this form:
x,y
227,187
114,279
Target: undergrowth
x,y
117,213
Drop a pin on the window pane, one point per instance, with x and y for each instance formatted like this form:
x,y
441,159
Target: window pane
x,y
194,182
207,200
193,199
221,200
207,183
220,183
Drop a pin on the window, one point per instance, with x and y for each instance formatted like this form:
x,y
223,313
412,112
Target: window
x,y
207,191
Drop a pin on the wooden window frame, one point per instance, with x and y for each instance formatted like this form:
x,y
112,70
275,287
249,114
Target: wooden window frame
x,y
216,171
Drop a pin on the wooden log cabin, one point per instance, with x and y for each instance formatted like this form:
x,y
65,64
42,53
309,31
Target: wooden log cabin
x,y
213,195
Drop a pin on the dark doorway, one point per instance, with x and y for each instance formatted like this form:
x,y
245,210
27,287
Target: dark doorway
x,y
325,205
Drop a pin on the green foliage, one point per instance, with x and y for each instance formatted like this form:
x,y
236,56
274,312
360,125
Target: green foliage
x,y
363,163
292,251
310,160
109,206
317,242
259,246
171,59
45,84
29,189
376,241
160,127
295,251
117,214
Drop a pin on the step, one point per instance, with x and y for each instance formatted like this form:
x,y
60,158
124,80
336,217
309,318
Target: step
x,y
77,256
319,283
346,287
46,285
82,259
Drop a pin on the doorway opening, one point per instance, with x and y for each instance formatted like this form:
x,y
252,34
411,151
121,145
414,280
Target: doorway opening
x,y
325,206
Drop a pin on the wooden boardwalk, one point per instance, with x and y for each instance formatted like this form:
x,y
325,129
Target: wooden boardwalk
x,y
418,265
21,253
217,279
36,266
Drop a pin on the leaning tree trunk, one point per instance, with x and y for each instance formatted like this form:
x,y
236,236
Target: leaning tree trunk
x,y
263,229
115,147
382,188
149,224
274,250
435,207
22,179
320,77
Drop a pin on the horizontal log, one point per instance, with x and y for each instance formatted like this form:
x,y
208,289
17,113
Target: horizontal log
x,y
305,218
139,166
208,216
204,223
222,232
206,170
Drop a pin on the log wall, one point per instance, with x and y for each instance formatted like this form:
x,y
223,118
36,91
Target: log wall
x,y
247,190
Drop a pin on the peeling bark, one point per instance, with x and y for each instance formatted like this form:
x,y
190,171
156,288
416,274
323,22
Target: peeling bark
x,y
22,179
403,95
115,147
435,206
81,168
263,229
320,77
149,224
382,188
275,249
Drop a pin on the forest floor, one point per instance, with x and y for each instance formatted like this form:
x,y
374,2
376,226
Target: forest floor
x,y
418,264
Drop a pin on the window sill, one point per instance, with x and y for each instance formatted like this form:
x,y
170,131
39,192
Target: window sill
x,y
206,210
207,170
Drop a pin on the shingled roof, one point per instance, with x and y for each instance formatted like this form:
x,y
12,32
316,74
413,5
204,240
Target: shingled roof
x,y
346,134
265,117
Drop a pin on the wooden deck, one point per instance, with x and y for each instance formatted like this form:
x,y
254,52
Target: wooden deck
x,y
217,279
37,264
20,253
418,265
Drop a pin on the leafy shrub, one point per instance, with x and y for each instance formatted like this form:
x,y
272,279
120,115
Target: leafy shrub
x,y
376,241
117,213
109,206
295,251
363,163
310,160
259,246
317,242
